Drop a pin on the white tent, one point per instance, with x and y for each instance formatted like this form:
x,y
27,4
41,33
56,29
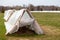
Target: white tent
x,y
20,18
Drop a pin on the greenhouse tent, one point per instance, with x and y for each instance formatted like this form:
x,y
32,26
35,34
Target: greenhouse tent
x,y
21,18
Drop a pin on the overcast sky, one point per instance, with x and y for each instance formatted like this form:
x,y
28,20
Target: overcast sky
x,y
26,2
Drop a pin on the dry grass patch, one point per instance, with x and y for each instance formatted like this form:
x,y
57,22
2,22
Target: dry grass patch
x,y
50,33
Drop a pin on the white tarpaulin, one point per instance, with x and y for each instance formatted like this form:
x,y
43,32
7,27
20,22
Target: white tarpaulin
x,y
8,13
21,18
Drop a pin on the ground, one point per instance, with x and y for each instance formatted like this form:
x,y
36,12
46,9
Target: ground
x,y
49,22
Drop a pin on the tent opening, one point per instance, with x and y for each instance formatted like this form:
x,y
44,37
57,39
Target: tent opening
x,y
25,30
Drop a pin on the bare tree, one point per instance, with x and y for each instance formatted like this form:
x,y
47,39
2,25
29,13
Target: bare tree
x,y
31,7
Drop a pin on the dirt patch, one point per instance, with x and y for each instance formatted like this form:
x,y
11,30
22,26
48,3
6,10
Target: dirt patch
x,y
25,30
49,30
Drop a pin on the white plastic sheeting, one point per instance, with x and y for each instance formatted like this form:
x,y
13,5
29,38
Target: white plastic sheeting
x,y
7,14
18,19
26,19
11,24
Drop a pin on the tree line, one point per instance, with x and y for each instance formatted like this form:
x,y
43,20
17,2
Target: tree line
x,y
31,8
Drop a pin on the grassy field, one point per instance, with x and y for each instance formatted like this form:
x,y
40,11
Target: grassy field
x,y
49,22
50,19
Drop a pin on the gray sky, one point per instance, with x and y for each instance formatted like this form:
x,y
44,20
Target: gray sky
x,y
26,2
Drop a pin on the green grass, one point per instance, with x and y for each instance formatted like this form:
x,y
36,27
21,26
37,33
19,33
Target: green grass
x,y
50,19
50,22
2,27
